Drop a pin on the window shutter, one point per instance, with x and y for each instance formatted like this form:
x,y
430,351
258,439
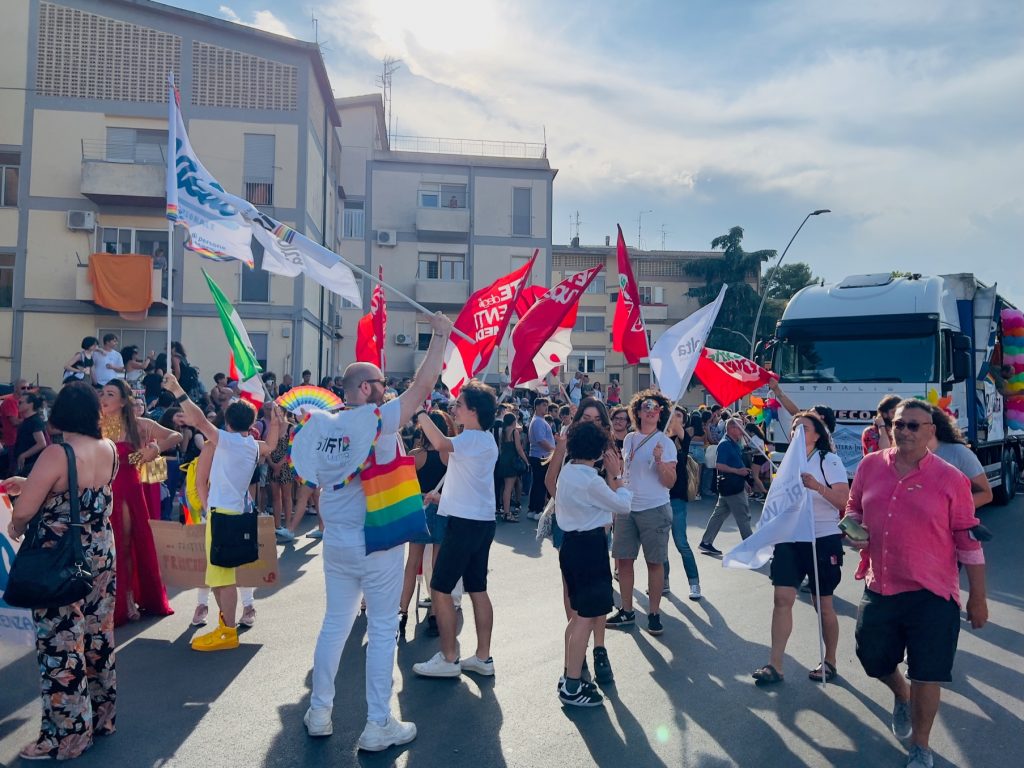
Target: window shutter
x,y
259,157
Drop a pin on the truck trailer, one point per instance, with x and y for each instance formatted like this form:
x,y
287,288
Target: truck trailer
x,y
850,344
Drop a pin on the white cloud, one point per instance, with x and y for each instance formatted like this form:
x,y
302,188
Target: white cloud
x,y
263,20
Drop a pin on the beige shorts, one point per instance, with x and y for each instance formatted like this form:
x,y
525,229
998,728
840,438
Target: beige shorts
x,y
647,528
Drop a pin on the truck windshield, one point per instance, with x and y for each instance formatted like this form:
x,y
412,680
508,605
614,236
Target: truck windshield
x,y
908,359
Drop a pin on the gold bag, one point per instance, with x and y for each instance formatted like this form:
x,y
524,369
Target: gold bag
x,y
154,471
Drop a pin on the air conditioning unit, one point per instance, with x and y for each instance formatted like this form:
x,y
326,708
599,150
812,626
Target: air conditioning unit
x,y
387,237
403,339
82,221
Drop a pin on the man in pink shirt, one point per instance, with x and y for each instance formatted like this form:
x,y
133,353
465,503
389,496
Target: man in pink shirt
x,y
919,512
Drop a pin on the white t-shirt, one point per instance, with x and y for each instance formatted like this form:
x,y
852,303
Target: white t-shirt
x,y
100,361
234,460
641,474
584,501
468,490
826,517
344,511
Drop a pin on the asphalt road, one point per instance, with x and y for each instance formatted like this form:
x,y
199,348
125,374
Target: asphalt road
x,y
682,699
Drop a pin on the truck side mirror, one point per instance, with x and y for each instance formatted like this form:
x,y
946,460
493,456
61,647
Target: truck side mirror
x,y
961,357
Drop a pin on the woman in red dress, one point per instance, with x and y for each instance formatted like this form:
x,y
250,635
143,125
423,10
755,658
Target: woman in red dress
x,y
138,572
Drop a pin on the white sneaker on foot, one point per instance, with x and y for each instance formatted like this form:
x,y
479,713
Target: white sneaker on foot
x,y
695,592
199,617
480,666
284,534
248,616
318,722
376,738
438,666
316,533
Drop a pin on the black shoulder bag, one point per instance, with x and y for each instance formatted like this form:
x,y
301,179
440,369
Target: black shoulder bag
x,y
51,577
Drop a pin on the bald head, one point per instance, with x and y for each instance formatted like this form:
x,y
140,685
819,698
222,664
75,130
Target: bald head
x,y
363,383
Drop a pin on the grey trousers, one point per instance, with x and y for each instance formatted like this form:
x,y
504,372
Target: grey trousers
x,y
737,505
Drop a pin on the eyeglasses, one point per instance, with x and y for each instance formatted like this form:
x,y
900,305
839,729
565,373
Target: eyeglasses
x,y
650,405
620,417
913,426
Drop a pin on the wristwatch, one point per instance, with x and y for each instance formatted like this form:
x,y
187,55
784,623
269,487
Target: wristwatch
x,y
181,398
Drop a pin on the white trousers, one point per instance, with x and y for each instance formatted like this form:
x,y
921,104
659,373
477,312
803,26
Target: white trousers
x,y
349,575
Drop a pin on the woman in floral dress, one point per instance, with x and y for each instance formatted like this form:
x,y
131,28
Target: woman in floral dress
x,y
74,643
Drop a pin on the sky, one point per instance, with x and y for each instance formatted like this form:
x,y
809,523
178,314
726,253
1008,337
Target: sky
x,y
906,118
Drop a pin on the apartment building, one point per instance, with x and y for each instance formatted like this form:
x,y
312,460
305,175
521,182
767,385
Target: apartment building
x,y
443,217
82,158
664,287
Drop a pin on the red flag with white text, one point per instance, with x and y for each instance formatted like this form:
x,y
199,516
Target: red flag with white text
x,y
372,328
628,333
728,376
542,323
484,319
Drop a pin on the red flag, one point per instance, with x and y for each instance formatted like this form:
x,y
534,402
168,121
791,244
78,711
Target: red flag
x,y
728,376
541,322
372,327
250,390
628,334
484,319
529,296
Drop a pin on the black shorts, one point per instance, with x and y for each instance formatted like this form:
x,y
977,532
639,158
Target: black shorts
x,y
793,561
463,555
920,624
583,558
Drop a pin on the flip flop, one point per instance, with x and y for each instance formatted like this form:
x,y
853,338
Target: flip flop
x,y
830,673
767,675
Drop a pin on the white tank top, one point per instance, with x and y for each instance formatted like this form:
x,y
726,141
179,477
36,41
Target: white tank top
x,y
233,463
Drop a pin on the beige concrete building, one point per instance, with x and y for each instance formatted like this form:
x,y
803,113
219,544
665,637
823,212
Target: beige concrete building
x,y
82,152
443,217
664,285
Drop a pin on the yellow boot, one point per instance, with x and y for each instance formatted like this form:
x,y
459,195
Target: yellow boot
x,y
223,638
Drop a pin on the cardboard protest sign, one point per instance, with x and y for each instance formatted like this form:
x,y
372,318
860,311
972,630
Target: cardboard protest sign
x,y
181,552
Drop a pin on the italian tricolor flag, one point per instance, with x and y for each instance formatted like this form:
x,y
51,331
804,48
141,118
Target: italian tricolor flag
x,y
242,364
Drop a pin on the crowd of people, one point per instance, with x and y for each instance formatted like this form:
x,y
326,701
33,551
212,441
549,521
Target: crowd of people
x,y
609,482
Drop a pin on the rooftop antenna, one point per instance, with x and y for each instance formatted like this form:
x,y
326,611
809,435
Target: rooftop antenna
x,y
664,233
390,66
639,229
574,230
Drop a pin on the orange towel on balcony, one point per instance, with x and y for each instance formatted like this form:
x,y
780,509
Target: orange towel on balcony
x,y
123,283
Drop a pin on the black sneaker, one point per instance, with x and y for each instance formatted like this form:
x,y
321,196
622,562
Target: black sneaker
x,y
707,549
622,619
586,696
654,624
602,667
432,630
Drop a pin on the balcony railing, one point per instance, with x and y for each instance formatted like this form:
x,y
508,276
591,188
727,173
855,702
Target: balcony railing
x,y
124,152
481,147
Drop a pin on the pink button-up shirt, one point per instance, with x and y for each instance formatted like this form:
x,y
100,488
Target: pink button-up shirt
x,y
919,524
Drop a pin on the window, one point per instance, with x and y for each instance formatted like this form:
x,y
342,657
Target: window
x,y
646,294
259,346
597,285
352,225
259,168
643,381
136,145
589,323
148,242
6,280
517,263
442,266
145,341
423,336
588,362
442,195
256,281
10,170
522,213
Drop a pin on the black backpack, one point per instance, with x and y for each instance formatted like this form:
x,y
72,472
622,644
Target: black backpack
x,y
189,379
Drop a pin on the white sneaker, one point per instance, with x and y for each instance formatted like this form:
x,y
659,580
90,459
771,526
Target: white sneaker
x,y
695,592
316,533
480,666
532,516
318,722
284,534
376,738
437,666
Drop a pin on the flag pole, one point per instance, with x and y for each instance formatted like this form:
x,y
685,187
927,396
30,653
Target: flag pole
x,y
817,598
170,290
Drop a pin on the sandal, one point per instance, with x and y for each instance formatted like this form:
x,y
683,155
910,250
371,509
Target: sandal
x,y
767,675
512,517
830,673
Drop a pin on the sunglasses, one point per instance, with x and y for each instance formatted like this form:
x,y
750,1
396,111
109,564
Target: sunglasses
x,y
913,426
382,382
650,405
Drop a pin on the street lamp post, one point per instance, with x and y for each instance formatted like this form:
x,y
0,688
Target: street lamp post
x,y
771,274
730,330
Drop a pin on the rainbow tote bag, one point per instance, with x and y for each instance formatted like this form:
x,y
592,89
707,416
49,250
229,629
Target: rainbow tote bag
x,y
394,504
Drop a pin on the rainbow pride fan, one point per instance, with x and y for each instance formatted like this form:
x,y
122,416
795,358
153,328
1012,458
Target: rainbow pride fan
x,y
307,398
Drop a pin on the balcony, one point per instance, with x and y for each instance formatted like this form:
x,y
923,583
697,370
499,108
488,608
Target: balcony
x,y
655,313
446,292
84,292
442,222
116,173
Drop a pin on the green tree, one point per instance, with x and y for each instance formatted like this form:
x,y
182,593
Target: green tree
x,y
736,267
788,279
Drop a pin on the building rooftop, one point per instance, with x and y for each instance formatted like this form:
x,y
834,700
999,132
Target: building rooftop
x,y
605,250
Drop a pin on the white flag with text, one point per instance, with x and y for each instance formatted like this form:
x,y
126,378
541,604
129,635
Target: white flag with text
x,y
674,356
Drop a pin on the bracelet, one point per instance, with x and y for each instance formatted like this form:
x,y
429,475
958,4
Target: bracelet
x,y
181,398
416,416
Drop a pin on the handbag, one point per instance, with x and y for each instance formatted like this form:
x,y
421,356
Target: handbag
x,y
394,504
234,538
692,478
154,471
51,576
